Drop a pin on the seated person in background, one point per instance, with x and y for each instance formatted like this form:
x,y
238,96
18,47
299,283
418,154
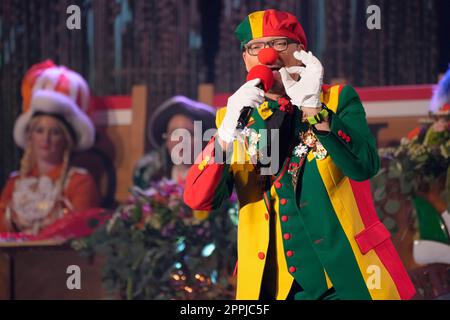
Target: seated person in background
x,y
52,125
175,113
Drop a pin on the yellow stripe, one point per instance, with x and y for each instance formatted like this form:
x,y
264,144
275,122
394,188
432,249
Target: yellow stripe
x,y
329,284
256,24
220,114
250,267
331,98
344,204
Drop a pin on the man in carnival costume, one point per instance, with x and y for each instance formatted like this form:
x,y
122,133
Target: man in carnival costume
x,y
307,230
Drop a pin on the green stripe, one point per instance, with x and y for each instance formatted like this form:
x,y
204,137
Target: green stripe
x,y
328,237
244,32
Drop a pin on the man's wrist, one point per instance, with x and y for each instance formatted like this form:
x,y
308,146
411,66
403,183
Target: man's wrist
x,y
323,127
319,117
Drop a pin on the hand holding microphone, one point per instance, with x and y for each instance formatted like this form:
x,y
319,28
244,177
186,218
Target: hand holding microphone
x,y
247,97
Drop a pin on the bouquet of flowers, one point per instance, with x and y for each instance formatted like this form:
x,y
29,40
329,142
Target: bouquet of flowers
x,y
155,247
419,165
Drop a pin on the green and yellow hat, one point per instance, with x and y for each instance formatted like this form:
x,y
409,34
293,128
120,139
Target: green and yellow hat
x,y
270,23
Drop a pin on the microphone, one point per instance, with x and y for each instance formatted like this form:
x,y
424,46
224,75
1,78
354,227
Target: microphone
x,y
265,74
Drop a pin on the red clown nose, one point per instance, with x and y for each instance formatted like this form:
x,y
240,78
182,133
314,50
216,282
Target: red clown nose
x,y
268,56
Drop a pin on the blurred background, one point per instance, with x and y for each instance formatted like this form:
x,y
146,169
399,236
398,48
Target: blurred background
x,y
174,45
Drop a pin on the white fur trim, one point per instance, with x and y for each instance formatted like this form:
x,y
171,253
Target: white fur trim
x,y
53,102
428,252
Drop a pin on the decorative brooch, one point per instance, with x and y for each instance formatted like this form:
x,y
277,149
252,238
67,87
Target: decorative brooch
x,y
286,105
300,150
253,139
242,134
320,152
253,143
310,140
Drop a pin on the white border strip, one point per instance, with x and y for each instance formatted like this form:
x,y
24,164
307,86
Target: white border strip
x,y
381,109
113,117
396,108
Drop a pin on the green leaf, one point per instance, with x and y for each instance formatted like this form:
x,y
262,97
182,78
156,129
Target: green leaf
x,y
380,212
380,193
395,171
406,187
137,213
392,206
93,223
390,224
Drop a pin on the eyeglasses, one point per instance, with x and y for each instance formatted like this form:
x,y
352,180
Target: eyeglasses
x,y
278,44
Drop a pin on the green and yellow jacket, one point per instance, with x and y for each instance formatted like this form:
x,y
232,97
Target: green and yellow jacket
x,y
322,231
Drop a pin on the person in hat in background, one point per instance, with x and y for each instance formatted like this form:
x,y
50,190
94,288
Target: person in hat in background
x,y
52,126
309,229
178,112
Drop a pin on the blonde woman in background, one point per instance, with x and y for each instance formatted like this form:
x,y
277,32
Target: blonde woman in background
x,y
53,125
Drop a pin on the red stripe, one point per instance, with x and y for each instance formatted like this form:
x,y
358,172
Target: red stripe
x,y
385,251
363,197
415,92
110,103
392,262
220,99
267,202
372,236
284,170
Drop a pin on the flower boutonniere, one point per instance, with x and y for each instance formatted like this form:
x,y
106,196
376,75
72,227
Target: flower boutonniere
x,y
293,167
253,140
310,142
286,105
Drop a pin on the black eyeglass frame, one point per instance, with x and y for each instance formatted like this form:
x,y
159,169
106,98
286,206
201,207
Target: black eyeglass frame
x,y
270,44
